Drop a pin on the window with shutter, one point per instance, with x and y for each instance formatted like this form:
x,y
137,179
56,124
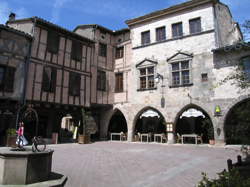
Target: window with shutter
x,y
102,50
9,79
52,42
74,84
49,79
119,82
76,51
2,74
101,80
177,30
195,25
160,34
145,37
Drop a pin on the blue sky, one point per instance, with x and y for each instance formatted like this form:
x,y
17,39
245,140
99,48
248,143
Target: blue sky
x,y
109,13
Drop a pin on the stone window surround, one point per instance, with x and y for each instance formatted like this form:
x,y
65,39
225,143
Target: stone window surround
x,y
139,76
190,73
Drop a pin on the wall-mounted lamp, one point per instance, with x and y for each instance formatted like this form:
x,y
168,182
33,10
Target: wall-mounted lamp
x,y
169,127
158,77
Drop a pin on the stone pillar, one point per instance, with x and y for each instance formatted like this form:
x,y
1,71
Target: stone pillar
x,y
219,135
170,138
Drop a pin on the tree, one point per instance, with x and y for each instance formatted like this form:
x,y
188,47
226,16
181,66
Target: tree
x,y
246,30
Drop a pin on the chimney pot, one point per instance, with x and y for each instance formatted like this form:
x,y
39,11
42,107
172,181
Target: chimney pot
x,y
12,16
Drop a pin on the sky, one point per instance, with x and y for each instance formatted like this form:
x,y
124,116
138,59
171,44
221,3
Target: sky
x,y
108,13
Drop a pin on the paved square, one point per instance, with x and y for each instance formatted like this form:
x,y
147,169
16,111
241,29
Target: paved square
x,y
113,164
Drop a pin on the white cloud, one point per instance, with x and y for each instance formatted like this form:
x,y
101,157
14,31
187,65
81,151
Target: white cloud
x,y
57,6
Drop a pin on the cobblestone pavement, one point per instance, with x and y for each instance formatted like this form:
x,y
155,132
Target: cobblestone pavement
x,y
115,164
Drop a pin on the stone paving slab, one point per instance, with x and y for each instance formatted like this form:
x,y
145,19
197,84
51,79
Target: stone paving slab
x,y
113,164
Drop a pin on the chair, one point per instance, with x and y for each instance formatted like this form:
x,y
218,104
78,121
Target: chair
x,y
199,138
123,136
178,138
164,138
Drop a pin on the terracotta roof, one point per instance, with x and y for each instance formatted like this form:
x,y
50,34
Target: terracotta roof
x,y
5,27
54,26
173,9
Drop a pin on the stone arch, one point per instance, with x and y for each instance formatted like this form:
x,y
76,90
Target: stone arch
x,y
192,122
136,117
108,117
229,110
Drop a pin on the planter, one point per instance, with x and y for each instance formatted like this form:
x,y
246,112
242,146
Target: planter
x,y
84,139
211,142
11,141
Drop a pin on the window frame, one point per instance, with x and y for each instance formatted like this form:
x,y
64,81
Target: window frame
x,y
159,36
179,32
8,78
53,39
146,77
76,50
51,87
101,80
145,40
180,72
197,28
102,49
119,52
3,78
74,84
119,82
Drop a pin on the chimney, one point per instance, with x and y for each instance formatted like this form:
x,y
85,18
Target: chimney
x,y
12,16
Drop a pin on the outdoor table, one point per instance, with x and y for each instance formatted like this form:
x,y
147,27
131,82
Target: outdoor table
x,y
190,136
115,134
146,135
157,135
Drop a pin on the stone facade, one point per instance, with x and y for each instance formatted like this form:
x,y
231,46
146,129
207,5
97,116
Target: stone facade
x,y
191,35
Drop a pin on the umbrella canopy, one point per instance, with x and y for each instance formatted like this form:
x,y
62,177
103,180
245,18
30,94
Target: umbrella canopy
x,y
192,112
150,113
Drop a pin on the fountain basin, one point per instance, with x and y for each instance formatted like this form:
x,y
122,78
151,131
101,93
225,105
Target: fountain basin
x,y
24,167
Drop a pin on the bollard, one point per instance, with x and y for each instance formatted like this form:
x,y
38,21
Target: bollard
x,y
239,160
229,164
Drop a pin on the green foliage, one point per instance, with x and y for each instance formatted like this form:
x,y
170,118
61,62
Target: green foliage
x,y
237,126
225,179
11,132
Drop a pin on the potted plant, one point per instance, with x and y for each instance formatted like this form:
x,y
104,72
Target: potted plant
x,y
84,137
211,134
11,137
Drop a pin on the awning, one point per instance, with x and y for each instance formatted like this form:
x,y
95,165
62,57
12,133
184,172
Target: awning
x,y
150,113
192,112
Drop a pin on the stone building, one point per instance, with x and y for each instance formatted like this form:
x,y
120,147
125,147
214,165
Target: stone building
x,y
14,52
160,74
178,46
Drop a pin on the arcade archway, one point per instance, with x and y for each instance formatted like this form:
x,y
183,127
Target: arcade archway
x,y
193,119
117,123
237,123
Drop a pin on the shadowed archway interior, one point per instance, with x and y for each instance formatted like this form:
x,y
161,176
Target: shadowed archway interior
x,y
117,123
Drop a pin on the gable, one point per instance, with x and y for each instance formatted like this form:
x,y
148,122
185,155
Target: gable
x,y
146,62
179,57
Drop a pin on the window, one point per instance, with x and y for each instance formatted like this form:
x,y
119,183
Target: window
x,y
7,78
195,25
160,34
204,77
147,78
246,67
145,37
49,79
119,82
76,51
52,42
177,30
101,80
74,84
102,50
180,73
119,52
